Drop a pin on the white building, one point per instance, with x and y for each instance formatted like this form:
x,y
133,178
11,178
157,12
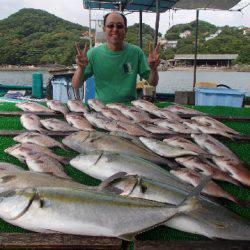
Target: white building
x,y
212,36
171,44
185,34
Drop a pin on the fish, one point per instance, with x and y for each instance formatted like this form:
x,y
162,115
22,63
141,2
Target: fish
x,y
177,141
144,105
40,162
78,122
40,139
27,179
33,107
21,150
32,122
235,169
214,146
57,106
209,121
155,129
77,106
211,219
134,129
205,167
174,126
211,188
183,110
136,115
6,166
115,114
97,120
165,150
117,106
86,212
96,104
54,124
87,141
170,116
101,165
207,129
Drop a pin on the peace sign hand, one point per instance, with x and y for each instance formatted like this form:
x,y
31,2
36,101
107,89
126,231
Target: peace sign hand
x,y
81,57
153,56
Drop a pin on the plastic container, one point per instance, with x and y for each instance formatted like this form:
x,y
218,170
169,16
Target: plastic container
x,y
62,88
37,85
218,97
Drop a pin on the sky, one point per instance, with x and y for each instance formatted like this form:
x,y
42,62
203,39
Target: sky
x,y
72,10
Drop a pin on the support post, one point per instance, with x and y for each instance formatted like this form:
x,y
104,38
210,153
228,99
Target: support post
x,y
196,46
140,29
157,2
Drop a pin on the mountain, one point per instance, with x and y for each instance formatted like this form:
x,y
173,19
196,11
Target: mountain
x,y
229,40
33,36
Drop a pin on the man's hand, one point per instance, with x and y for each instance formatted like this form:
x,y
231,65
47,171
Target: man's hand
x,y
81,57
153,56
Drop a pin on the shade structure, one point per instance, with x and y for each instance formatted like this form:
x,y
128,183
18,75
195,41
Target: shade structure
x,y
164,5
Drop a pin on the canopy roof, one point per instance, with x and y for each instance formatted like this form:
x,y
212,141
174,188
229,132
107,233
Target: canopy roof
x,y
164,5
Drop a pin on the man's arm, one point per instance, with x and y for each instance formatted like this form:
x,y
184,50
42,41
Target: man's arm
x,y
82,62
153,77
153,61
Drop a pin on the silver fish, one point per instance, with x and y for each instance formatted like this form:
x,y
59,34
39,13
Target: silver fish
x,y
95,104
205,167
98,120
89,141
211,188
33,107
176,141
57,106
85,212
183,110
101,165
235,169
211,220
174,126
5,166
57,125
40,139
20,151
76,106
31,122
214,146
78,122
115,114
208,121
206,129
163,149
40,162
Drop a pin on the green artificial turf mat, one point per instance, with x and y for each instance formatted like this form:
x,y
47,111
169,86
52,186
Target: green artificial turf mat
x,y
242,149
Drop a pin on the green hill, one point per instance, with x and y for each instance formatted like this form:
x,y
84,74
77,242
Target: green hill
x,y
35,37
231,40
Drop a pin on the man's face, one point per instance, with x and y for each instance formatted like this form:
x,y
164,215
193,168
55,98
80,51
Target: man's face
x,y
115,29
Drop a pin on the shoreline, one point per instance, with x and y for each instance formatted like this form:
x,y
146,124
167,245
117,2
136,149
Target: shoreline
x,y
237,68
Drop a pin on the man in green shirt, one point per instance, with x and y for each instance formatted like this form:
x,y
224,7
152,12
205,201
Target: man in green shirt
x,y
115,64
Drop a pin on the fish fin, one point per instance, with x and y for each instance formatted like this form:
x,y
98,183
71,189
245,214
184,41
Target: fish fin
x,y
196,192
111,179
64,147
242,203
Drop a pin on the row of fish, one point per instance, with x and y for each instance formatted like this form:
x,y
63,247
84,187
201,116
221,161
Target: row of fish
x,y
132,178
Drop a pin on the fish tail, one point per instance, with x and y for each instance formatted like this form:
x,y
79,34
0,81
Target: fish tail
x,y
64,160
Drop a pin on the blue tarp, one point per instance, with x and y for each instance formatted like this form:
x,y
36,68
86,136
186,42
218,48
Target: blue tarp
x,y
130,5
164,5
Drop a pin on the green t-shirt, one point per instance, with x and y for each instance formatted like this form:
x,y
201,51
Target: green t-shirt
x,y
115,72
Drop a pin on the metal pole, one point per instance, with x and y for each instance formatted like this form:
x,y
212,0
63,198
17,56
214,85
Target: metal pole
x,y
90,39
156,22
140,29
196,46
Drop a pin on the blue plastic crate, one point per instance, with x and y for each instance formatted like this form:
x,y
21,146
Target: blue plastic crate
x,y
218,97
